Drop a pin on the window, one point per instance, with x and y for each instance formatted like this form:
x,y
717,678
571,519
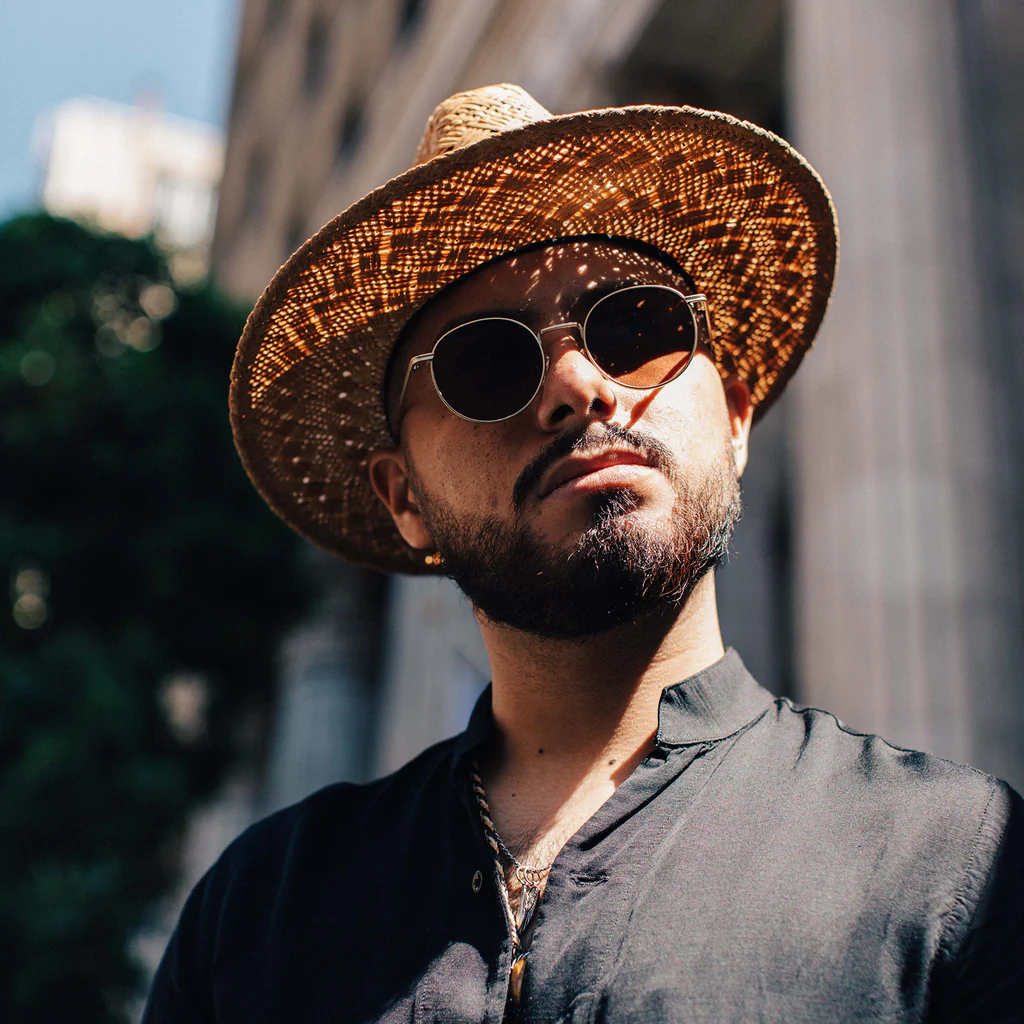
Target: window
x,y
350,132
316,56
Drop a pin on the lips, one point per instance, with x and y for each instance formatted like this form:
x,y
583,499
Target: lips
x,y
575,466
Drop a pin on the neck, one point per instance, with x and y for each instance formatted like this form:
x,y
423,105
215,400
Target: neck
x,y
575,717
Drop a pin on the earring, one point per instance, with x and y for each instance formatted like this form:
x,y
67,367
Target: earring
x,y
435,559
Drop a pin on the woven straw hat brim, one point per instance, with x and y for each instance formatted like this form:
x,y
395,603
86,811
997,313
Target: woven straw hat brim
x,y
739,208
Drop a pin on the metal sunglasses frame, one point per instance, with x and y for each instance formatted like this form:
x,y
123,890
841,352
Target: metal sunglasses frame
x,y
696,303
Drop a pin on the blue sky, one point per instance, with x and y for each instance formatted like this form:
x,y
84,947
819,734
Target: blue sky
x,y
51,50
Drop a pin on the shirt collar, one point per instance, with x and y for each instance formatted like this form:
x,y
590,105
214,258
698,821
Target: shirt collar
x,y
713,704
710,705
480,723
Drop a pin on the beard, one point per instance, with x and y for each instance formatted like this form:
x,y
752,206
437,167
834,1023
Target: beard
x,y
622,568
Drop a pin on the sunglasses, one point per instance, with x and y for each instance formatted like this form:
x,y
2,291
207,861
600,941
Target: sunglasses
x,y
488,370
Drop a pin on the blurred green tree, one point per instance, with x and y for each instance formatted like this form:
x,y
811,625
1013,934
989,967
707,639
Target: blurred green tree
x,y
147,590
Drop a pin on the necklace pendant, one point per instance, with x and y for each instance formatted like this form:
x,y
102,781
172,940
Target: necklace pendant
x,y
528,898
515,978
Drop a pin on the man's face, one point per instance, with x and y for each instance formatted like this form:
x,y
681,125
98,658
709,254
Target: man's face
x,y
596,504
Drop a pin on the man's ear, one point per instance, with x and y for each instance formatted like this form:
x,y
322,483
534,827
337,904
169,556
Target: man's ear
x,y
389,478
741,415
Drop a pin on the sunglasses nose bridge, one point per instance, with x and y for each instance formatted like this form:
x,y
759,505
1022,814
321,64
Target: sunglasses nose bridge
x,y
565,328
562,327
579,384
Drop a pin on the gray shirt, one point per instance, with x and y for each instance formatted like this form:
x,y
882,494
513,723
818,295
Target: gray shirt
x,y
762,864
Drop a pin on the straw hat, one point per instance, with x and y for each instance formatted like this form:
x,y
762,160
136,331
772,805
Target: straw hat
x,y
736,206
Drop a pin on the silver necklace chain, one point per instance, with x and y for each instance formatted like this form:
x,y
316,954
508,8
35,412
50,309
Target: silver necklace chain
x,y
528,877
531,879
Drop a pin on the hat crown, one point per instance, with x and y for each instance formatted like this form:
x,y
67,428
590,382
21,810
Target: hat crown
x,y
477,114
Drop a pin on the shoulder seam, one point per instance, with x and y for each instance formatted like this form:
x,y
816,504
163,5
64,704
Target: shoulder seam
x,y
799,709
958,916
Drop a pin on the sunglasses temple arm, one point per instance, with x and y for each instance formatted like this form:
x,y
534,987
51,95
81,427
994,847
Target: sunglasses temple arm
x,y
699,304
414,364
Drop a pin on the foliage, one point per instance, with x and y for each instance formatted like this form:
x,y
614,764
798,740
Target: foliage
x,y
148,590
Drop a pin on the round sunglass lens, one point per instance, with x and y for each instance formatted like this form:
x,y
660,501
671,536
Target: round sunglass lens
x,y
642,337
488,369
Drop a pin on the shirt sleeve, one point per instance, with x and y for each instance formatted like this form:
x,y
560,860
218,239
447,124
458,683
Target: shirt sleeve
x,y
182,986
979,975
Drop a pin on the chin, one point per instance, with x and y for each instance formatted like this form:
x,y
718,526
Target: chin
x,y
600,510
574,568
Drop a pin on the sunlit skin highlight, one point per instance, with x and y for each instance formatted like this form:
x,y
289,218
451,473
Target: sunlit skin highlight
x,y
590,704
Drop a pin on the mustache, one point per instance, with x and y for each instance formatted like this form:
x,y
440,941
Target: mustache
x,y
588,439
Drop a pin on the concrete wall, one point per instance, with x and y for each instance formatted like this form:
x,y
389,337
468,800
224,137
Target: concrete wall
x,y
908,606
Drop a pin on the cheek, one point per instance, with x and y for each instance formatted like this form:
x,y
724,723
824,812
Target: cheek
x,y
690,414
466,466
709,401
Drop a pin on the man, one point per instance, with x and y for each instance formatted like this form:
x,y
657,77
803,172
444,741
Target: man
x,y
532,363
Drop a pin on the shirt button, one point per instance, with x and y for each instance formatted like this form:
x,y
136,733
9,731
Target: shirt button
x,y
478,881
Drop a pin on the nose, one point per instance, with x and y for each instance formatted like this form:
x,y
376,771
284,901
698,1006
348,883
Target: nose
x,y
575,391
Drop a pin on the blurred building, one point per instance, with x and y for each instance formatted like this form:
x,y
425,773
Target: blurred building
x,y
136,171
878,568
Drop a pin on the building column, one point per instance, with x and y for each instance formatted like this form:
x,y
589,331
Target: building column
x,y
906,606
434,669
327,698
